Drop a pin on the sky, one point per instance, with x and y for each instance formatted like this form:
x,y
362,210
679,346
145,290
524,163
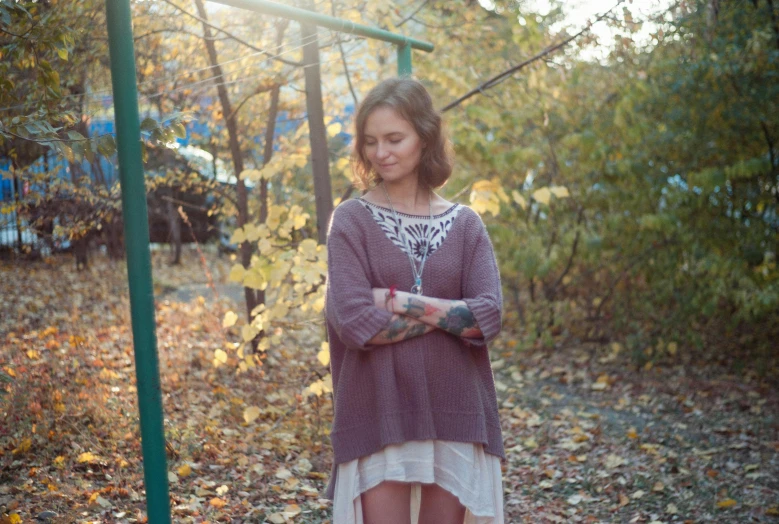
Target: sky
x,y
578,12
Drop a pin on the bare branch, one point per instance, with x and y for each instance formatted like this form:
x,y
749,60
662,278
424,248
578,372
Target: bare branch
x,y
237,39
492,82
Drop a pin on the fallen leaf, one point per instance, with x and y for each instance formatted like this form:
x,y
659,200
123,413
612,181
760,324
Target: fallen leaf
x,y
217,502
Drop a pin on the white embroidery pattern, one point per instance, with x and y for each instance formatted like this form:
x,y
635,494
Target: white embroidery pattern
x,y
415,227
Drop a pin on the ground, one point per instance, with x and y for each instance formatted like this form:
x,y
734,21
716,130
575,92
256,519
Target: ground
x,y
588,437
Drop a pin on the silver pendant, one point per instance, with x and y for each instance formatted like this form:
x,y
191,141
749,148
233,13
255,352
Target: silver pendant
x,y
416,290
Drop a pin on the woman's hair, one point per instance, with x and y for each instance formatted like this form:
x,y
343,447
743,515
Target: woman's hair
x,y
410,99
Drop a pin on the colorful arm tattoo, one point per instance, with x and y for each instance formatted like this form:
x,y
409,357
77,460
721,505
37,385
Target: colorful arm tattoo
x,y
399,328
458,320
453,316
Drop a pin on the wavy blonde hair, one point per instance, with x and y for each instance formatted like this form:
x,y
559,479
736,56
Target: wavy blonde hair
x,y
410,99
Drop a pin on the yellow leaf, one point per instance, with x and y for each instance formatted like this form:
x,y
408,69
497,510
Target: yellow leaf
x,y
229,320
316,388
248,332
59,461
632,433
291,483
342,164
23,447
726,503
184,471
542,195
13,518
308,248
255,279
221,356
319,304
251,413
672,347
236,273
291,510
519,199
87,457
217,502
559,191
324,354
334,128
238,236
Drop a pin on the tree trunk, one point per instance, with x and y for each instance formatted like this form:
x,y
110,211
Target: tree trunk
x,y
235,150
174,222
323,193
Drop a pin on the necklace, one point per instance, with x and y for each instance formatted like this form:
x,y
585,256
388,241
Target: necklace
x,y
417,287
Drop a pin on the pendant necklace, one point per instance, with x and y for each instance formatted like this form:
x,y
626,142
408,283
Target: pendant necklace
x,y
417,287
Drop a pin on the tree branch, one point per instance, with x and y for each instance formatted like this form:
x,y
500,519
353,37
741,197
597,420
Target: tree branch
x,y
230,35
492,82
414,12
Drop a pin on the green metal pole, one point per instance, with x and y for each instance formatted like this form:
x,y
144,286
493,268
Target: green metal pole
x,y
136,234
336,24
404,60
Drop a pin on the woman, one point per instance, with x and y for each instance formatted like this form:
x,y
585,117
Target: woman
x,y
413,298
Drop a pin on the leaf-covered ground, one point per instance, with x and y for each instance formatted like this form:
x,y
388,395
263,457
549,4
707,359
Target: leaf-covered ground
x,y
588,438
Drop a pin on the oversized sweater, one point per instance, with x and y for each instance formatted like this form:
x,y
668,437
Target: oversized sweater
x,y
434,386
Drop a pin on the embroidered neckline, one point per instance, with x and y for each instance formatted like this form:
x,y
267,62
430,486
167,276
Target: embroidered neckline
x,y
421,240
408,214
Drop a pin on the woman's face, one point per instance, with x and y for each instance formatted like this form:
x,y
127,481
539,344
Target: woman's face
x,y
392,145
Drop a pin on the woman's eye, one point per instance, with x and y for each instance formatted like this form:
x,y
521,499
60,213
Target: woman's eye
x,y
394,141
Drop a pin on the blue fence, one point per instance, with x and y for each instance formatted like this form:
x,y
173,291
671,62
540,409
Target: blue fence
x,y
14,232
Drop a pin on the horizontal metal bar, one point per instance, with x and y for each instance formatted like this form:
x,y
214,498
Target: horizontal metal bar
x,y
336,24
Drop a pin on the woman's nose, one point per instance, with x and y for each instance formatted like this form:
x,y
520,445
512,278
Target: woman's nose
x,y
381,151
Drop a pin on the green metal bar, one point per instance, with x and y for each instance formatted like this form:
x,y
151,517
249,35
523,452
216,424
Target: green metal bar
x,y
136,234
404,60
336,24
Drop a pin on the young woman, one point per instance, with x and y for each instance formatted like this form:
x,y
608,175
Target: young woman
x,y
413,298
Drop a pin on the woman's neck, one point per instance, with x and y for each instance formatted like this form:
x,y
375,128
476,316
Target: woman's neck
x,y
406,195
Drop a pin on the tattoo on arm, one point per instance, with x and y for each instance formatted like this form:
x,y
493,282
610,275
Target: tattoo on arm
x,y
415,331
419,308
414,307
400,328
457,320
395,328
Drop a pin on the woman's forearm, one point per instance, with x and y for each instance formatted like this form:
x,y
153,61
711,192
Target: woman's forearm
x,y
400,327
453,316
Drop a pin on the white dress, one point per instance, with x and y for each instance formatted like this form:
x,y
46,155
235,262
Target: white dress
x,y
462,468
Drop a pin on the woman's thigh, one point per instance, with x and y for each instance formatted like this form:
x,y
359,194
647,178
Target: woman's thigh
x,y
387,503
439,506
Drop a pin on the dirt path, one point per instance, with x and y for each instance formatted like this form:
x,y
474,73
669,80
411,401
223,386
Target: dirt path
x,y
652,447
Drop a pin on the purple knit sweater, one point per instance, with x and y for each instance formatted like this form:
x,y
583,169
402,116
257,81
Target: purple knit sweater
x,y
435,386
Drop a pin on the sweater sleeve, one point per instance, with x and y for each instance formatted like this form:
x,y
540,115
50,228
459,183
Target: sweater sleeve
x,y
482,289
350,306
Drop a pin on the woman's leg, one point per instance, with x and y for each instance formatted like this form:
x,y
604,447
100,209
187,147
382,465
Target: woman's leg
x,y
439,506
387,503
